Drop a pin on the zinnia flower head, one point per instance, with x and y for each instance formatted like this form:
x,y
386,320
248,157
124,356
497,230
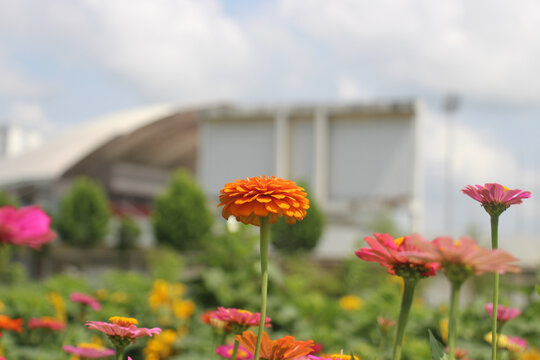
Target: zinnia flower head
x,y
351,302
511,343
503,313
122,328
226,351
463,257
239,320
88,350
251,198
496,198
46,322
7,323
85,300
285,348
393,255
27,226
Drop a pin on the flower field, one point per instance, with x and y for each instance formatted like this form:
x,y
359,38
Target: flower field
x,y
209,303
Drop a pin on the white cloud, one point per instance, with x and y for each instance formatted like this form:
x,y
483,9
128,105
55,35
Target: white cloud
x,y
15,82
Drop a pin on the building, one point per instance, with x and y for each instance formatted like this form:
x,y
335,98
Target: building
x,y
360,160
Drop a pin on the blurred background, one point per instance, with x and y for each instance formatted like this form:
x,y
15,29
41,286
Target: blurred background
x,y
384,109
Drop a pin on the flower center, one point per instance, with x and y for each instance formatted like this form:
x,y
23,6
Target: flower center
x,y
90,346
123,321
399,241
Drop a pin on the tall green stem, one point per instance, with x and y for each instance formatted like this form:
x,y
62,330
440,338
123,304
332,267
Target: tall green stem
x,y
452,323
235,350
406,302
494,245
264,237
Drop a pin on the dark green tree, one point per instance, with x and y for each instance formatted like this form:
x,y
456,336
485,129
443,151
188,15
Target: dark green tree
x,y
83,217
127,234
181,217
303,236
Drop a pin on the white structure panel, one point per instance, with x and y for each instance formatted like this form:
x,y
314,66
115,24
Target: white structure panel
x,y
302,151
235,150
371,158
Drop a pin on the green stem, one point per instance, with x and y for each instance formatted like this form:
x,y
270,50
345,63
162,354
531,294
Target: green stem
x,y
382,345
264,237
494,245
235,350
452,323
406,302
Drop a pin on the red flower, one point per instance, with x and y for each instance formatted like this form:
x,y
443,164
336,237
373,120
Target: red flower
x,y
285,348
46,322
393,255
496,198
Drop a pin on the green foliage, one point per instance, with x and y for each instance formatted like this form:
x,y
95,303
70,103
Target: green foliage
x,y
83,216
303,236
181,217
437,348
128,234
164,263
6,199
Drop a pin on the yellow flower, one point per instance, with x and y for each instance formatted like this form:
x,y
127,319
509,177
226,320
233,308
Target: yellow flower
x,y
59,305
119,297
530,355
159,295
351,302
183,309
443,324
502,340
101,294
168,336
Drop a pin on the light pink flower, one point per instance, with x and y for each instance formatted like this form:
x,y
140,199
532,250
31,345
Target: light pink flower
x,y
86,300
515,343
239,317
27,226
122,327
46,322
87,351
226,351
393,253
493,193
465,251
503,313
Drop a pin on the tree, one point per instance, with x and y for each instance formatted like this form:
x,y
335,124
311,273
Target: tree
x,y
302,236
83,218
181,217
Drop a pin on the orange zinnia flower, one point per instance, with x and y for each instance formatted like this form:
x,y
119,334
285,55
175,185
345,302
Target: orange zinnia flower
x,y
251,198
286,348
7,323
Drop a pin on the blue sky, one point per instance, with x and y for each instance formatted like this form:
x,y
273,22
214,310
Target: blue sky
x,y
63,62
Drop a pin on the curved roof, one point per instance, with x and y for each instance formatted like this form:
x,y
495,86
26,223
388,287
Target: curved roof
x,y
54,158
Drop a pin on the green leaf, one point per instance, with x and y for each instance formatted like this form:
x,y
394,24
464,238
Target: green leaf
x,y
437,348
538,289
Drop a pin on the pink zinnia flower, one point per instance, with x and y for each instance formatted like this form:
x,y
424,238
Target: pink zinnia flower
x,y
27,226
90,351
226,351
466,252
392,254
516,344
46,322
242,318
85,300
122,327
503,313
496,198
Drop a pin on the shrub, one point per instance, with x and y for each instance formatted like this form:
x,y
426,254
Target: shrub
x,y
302,236
83,216
128,233
6,199
181,217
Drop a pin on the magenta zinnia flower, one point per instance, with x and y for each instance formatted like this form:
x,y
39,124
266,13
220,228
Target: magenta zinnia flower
x,y
122,327
27,226
89,351
503,313
393,255
496,198
239,318
466,253
85,300
46,322
226,351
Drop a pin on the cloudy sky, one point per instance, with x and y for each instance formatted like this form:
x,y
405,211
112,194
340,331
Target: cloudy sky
x,y
63,62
